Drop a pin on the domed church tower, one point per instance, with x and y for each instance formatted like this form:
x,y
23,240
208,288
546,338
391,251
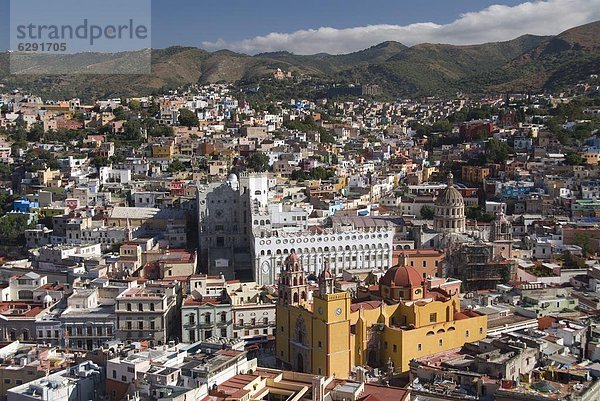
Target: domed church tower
x,y
501,227
449,210
292,284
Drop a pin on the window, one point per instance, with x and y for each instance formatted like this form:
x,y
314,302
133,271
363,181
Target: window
x,y
223,332
320,344
141,325
467,334
432,317
419,347
152,325
128,324
266,320
394,348
141,307
152,307
130,369
481,330
114,374
192,319
441,342
6,381
129,307
18,381
207,318
123,378
223,317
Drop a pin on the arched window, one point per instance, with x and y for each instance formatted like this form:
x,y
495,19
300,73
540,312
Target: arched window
x,y
296,298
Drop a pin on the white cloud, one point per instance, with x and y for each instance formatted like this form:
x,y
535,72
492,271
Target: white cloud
x,y
495,23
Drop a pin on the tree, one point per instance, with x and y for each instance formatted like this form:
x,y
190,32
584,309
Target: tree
x,y
36,132
299,175
135,105
497,151
100,161
427,212
161,130
176,166
327,137
119,113
476,213
187,118
12,228
133,130
583,240
573,159
258,162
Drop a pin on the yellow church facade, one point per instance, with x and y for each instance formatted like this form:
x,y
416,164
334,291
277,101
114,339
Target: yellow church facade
x,y
324,332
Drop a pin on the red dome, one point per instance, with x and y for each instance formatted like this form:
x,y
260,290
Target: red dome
x,y
402,276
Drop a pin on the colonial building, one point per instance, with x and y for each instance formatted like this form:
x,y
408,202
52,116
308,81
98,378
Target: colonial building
x,y
246,235
326,332
148,312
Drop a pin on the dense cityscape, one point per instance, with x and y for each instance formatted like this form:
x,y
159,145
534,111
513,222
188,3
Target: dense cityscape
x,y
233,242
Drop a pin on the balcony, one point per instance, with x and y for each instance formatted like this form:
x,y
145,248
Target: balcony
x,y
257,325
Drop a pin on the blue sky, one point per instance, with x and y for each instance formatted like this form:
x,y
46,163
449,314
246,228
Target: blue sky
x,y
244,25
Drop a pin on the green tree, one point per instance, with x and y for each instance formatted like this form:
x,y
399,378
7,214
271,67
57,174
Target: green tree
x,y
427,212
584,241
176,166
573,159
12,228
119,113
135,105
162,130
326,137
100,161
476,213
188,118
299,175
36,132
258,162
133,130
497,151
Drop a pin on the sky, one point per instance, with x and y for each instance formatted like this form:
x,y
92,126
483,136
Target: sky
x,y
342,26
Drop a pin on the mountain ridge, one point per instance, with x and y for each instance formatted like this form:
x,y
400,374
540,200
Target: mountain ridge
x,y
529,61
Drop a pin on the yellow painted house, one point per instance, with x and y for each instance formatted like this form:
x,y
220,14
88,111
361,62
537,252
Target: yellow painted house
x,y
327,333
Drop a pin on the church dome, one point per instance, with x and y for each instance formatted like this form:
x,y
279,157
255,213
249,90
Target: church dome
x,y
450,196
402,276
